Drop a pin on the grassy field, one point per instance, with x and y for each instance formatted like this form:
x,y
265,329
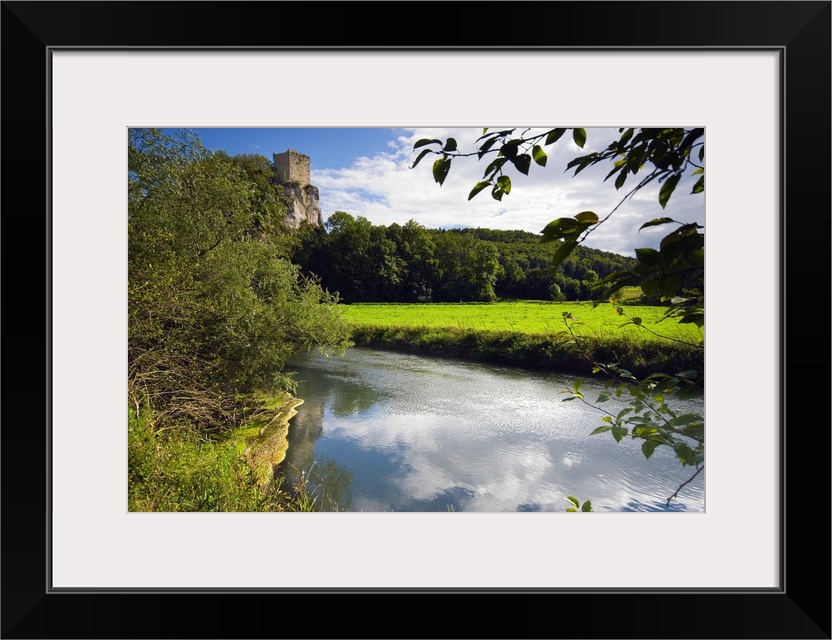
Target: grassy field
x,y
532,318
532,334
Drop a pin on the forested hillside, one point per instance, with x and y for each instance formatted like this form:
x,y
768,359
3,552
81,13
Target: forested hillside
x,y
364,262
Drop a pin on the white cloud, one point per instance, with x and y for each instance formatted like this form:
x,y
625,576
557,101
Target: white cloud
x,y
384,189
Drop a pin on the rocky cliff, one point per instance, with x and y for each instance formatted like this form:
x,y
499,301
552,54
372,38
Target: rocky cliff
x,y
304,204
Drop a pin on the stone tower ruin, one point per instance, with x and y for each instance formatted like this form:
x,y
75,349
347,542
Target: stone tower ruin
x,y
291,171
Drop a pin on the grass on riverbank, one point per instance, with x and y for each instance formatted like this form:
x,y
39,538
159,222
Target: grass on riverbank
x,y
531,334
529,317
184,469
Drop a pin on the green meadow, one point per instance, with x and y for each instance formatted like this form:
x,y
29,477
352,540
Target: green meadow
x,y
532,334
534,318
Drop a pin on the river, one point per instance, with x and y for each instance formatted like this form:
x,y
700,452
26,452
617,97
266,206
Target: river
x,y
386,431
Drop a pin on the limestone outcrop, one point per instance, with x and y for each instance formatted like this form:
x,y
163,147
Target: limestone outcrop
x,y
266,447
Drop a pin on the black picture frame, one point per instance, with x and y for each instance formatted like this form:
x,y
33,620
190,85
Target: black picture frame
x,y
800,608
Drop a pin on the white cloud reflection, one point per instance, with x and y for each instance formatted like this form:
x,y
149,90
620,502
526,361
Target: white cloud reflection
x,y
454,435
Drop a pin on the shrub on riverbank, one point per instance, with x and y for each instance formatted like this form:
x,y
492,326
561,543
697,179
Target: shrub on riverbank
x,y
549,352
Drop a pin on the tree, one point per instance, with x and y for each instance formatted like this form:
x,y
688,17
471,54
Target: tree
x,y
269,206
674,272
215,307
469,269
416,248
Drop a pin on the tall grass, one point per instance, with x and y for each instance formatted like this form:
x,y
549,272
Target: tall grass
x,y
184,469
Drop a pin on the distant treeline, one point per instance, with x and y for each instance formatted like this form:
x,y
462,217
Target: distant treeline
x,y
364,262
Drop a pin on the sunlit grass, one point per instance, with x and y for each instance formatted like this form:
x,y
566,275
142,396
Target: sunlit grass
x,y
183,469
530,318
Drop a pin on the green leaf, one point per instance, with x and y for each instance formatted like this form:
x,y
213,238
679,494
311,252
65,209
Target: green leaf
x,y
587,507
478,187
691,137
571,510
587,217
683,452
686,238
522,163
637,320
625,138
554,135
420,156
496,133
648,448
603,397
486,146
644,432
574,500
650,287
699,171
424,141
450,145
667,189
697,257
539,155
494,166
618,433
686,420
579,136
563,251
616,168
670,285
559,227
497,193
694,431
693,318
509,149
440,169
655,222
601,429
621,179
648,256
699,187
504,182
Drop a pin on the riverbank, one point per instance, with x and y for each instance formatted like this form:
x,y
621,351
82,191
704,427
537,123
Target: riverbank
x,y
534,351
185,469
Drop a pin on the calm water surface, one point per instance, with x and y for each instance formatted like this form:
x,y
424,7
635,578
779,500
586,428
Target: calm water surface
x,y
385,431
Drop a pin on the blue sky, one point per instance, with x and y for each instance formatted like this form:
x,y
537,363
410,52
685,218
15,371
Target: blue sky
x,y
366,172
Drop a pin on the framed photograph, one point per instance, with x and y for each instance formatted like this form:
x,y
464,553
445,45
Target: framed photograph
x,y
755,75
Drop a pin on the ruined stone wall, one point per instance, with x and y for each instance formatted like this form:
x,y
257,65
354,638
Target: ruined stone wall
x,y
292,171
291,166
